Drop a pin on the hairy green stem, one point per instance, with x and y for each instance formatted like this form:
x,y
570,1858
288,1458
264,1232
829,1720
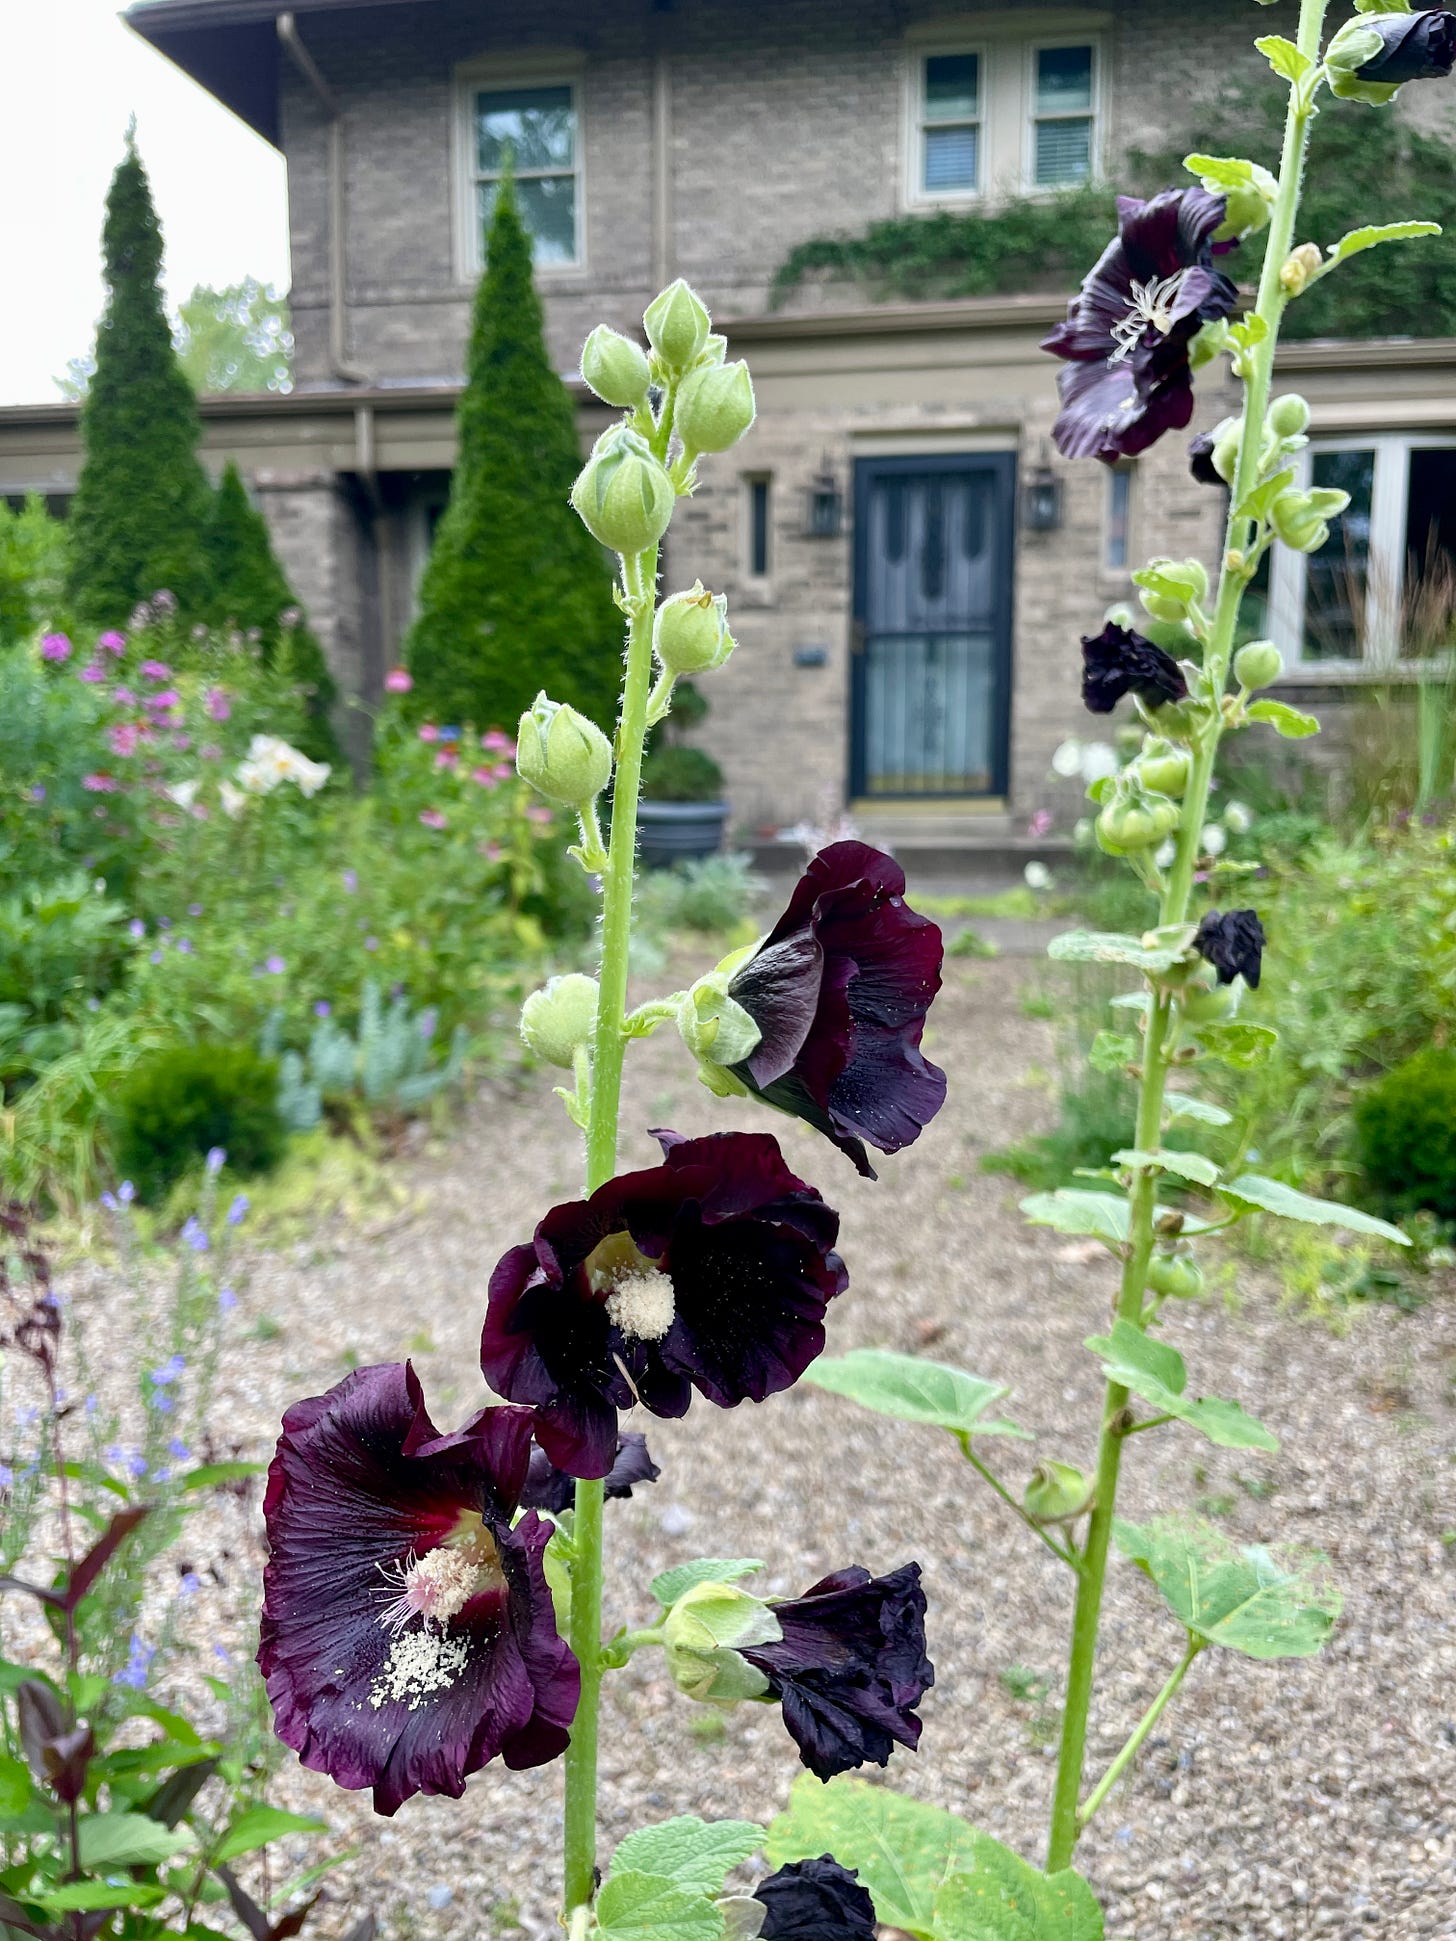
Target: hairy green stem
x,y
1058,1550
1066,1822
1140,1732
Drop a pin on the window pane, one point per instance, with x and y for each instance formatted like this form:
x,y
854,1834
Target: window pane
x,y
1428,615
758,527
1338,574
1063,80
1119,498
548,210
1063,153
533,127
951,156
952,86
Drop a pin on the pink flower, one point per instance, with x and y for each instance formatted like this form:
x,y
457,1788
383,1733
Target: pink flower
x,y
491,851
219,707
124,737
485,776
432,818
397,681
161,703
123,697
182,742
112,642
209,752
447,758
100,784
93,673
429,732
55,647
498,742
538,813
155,670
1040,823
504,771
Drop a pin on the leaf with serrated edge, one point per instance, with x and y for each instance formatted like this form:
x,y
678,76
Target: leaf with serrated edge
x,y
912,1390
1007,1900
1183,1105
1263,1603
1292,723
1375,233
1155,1372
697,1854
670,1585
1284,57
1187,1165
643,1906
1241,1045
1273,1196
1111,947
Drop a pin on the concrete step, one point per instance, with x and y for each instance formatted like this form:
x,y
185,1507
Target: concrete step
x,y
961,847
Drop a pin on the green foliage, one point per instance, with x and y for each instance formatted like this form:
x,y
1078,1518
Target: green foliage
x,y
696,1854
247,589
516,595
59,944
677,773
176,1105
669,1586
712,895
390,1064
1405,1135
911,1389
32,569
237,338
1261,1602
1155,1371
141,503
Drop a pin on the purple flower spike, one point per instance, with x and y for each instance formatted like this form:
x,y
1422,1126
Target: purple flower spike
x,y
711,1271
1119,661
850,1668
1127,332
408,1636
839,990
216,1160
815,1900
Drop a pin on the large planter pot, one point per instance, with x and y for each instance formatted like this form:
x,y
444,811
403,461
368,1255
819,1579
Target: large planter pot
x,y
677,832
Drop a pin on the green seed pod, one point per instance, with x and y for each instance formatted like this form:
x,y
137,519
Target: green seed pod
x,y
1258,663
699,1635
1207,1003
559,1018
1057,1493
623,495
1125,826
1162,768
715,406
677,326
562,754
690,634
1289,416
1176,1276
615,368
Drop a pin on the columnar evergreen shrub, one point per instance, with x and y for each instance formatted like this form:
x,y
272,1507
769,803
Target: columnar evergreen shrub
x,y
516,595
142,501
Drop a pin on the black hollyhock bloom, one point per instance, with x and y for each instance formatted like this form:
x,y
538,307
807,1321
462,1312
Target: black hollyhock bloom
x,y
1200,460
839,989
1118,661
408,1635
553,1490
815,1900
1234,944
711,1271
1127,332
1415,47
850,1668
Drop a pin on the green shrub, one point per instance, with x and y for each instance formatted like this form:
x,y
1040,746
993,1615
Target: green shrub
x,y
176,1105
1405,1135
390,1062
59,944
32,569
680,774
712,895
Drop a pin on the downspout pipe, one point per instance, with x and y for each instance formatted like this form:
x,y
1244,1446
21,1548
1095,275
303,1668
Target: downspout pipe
x,y
339,364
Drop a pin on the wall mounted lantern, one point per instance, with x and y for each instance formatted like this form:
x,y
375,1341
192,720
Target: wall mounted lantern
x,y
1041,504
824,504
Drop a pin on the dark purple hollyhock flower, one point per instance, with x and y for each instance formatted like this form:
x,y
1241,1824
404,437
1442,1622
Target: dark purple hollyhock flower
x,y
1415,47
1127,332
839,989
1118,661
553,1490
408,1635
1234,944
850,1667
711,1271
1200,460
815,1900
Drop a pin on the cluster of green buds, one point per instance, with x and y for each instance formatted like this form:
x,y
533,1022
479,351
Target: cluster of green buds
x,y
714,403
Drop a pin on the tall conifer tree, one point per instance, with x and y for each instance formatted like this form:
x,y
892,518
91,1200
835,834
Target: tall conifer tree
x,y
142,500
516,595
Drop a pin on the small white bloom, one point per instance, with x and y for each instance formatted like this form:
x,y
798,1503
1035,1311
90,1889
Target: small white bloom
x,y
1038,876
1099,760
1082,831
184,794
1166,854
1238,818
310,776
233,800
1067,758
1213,841
255,778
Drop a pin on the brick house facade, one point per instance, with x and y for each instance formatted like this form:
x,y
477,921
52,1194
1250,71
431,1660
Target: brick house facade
x,y
908,642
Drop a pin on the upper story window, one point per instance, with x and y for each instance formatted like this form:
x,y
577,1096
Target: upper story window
x,y
1062,117
534,133
950,124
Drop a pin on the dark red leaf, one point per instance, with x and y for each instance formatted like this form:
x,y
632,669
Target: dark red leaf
x,y
100,1554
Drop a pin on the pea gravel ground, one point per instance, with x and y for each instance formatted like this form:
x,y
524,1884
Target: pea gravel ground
x,y
1317,1799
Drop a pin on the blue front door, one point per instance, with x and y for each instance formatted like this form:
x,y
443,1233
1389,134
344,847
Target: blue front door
x,y
930,686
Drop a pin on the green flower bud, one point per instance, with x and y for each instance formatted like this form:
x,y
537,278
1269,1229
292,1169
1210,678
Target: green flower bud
x,y
1162,768
1057,1493
1288,416
1258,663
1358,42
690,634
1129,823
614,367
562,754
1176,1276
1226,455
699,1636
715,406
1204,1001
677,326
623,495
1300,265
559,1018
1297,523
1248,208
715,350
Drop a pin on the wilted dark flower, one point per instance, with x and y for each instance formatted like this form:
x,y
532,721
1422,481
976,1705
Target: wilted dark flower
x,y
839,990
1414,46
407,1634
1118,661
850,1667
1200,459
553,1490
815,1900
1234,944
1127,332
711,1271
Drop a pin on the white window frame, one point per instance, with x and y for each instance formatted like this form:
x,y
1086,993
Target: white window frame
x,y
503,74
1385,592
917,123
1032,116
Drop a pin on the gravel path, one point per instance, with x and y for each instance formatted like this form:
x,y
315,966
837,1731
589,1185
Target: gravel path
x,y
1272,1802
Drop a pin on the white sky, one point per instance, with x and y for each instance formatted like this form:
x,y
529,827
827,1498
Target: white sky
x,y
71,75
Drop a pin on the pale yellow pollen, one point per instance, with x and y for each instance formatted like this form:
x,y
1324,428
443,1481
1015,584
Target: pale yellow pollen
x,y
1149,305
642,1305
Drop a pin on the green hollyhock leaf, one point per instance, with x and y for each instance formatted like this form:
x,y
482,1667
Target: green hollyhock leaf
x,y
1155,1372
669,1587
1182,1105
1110,947
1252,1191
912,1390
1265,1603
637,1906
257,1825
1112,1050
129,1840
1187,1165
1241,1045
1007,1900
1284,57
88,1896
696,1854
1375,233
1071,1209
1292,723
